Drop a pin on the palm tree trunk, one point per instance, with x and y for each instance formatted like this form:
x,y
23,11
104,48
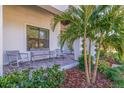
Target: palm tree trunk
x,y
85,61
89,57
85,55
97,60
96,66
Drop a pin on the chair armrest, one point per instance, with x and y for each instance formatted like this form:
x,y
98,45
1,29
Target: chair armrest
x,y
10,55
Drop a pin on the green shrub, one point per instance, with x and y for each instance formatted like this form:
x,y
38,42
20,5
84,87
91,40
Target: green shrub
x,y
45,78
103,66
82,65
117,57
102,53
15,79
118,84
116,75
54,77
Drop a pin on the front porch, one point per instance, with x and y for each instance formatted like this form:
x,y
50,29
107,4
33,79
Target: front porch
x,y
65,63
29,29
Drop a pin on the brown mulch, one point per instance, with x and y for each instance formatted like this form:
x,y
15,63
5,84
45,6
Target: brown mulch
x,y
75,78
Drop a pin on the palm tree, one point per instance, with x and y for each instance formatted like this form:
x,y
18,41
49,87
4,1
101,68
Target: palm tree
x,y
82,24
78,16
92,28
69,35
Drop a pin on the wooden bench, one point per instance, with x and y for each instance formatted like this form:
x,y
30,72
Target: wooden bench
x,y
40,54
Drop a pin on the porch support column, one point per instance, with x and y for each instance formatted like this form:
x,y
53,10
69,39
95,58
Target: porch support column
x,y
77,48
1,41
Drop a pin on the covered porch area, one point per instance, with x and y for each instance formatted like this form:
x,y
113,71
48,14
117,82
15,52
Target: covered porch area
x,y
65,63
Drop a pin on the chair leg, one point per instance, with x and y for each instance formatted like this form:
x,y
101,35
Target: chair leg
x,y
17,64
49,58
31,64
10,67
53,58
13,67
63,58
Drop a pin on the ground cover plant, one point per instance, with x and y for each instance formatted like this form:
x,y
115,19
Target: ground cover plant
x,y
116,75
41,78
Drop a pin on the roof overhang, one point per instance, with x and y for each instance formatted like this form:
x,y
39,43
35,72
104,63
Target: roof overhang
x,y
51,9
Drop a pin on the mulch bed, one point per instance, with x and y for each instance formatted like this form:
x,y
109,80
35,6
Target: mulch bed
x,y
75,78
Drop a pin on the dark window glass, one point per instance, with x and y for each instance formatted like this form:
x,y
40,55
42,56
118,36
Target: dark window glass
x,y
37,37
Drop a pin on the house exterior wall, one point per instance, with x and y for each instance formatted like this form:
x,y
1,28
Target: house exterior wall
x,y
14,25
1,42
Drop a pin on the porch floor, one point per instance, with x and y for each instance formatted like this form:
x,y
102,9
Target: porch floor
x,y
66,63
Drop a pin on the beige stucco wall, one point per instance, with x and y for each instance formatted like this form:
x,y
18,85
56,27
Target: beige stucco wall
x,y
15,19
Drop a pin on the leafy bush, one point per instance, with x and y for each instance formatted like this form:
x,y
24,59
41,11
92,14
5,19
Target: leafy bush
x,y
50,77
116,75
102,53
118,84
45,78
118,59
16,79
103,66
82,65
115,56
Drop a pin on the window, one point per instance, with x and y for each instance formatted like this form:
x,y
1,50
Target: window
x,y
37,37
